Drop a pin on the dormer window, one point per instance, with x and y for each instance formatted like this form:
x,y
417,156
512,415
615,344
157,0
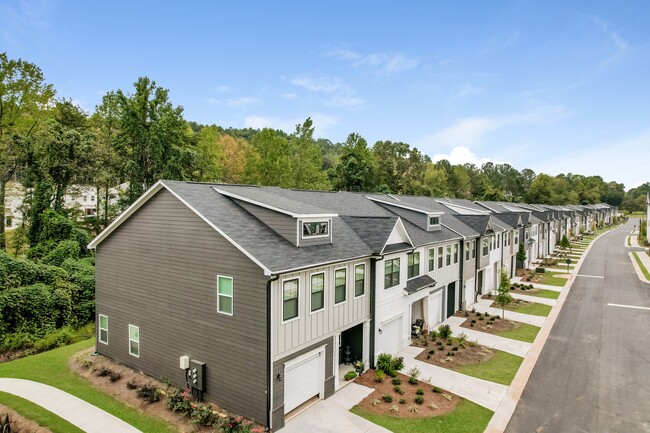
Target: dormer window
x,y
433,222
312,229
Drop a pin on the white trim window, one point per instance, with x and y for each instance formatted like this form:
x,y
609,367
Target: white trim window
x,y
391,273
225,294
432,259
340,285
315,229
359,280
441,256
290,290
413,265
466,250
448,261
134,341
317,287
103,329
455,253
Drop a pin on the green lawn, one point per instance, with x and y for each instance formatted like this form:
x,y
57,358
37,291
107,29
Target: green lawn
x,y
645,271
468,417
501,368
551,279
42,417
52,368
532,308
544,293
525,332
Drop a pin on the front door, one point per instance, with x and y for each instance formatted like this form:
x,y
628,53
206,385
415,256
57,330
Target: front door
x,y
451,299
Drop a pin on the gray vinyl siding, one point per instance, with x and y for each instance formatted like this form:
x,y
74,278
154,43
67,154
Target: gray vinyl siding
x,y
278,386
483,260
298,333
284,225
469,266
158,271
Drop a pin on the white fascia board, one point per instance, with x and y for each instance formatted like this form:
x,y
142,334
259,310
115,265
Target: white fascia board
x,y
126,214
273,208
144,198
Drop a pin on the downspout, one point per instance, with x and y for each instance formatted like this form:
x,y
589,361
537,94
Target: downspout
x,y
269,396
373,311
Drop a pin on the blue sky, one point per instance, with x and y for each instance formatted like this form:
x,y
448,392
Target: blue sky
x,y
555,86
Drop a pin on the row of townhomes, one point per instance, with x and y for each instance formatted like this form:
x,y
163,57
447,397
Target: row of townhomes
x,y
261,297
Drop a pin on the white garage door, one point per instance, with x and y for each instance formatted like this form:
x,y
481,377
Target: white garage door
x,y
303,380
435,309
392,336
469,292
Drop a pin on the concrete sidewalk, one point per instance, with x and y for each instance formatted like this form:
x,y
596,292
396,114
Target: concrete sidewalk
x,y
487,394
84,415
516,347
483,306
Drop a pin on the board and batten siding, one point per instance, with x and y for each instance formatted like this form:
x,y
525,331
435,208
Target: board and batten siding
x,y
284,225
298,333
158,271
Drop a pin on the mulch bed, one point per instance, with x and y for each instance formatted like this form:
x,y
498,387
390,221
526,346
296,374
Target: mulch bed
x,y
489,324
444,401
88,366
454,352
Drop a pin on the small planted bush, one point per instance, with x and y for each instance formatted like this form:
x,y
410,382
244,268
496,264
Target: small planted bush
x,y
379,376
396,381
205,415
419,399
419,391
444,331
402,401
413,380
436,390
375,402
115,376
180,401
398,389
149,393
350,375
387,398
103,371
389,365
132,384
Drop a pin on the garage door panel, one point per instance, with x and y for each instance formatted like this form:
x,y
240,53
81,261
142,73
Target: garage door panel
x,y
303,381
392,336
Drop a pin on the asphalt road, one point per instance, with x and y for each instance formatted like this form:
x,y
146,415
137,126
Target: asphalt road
x,y
593,374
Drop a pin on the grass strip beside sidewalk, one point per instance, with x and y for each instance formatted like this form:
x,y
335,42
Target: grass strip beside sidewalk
x,y
639,262
38,414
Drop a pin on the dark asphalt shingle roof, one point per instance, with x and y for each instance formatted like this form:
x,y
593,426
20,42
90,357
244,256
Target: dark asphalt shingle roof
x,y
269,196
478,223
419,283
373,231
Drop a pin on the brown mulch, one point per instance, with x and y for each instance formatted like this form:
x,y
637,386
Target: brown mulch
x,y
10,355
486,325
79,364
467,353
425,410
19,424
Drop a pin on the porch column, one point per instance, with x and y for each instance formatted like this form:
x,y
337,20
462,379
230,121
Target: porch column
x,y
366,343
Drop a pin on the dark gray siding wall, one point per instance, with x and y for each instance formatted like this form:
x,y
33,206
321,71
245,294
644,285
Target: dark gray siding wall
x,y
278,386
417,218
284,225
158,271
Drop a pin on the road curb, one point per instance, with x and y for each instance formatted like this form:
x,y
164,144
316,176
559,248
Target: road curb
x,y
637,269
508,403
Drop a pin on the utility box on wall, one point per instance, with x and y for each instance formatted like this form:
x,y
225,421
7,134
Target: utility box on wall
x,y
197,375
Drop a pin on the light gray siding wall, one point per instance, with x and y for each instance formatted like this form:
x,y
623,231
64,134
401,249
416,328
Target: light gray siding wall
x,y
298,333
278,386
469,266
284,225
484,260
158,271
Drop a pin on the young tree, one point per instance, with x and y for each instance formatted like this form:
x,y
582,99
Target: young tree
x,y
564,243
521,255
503,298
307,163
24,98
271,165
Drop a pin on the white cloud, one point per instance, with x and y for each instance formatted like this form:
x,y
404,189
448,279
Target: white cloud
x,y
318,83
345,101
25,17
322,122
289,96
462,155
236,102
624,160
470,131
383,64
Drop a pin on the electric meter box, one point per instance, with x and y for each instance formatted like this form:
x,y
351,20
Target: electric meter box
x,y
196,375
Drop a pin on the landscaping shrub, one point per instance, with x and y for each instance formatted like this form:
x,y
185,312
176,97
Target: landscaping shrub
x,y
413,380
132,384
237,424
379,376
436,390
350,375
444,331
115,376
103,371
149,393
396,381
419,391
387,398
205,415
180,401
398,389
402,401
419,399
389,364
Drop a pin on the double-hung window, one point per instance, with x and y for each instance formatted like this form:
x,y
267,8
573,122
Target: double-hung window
x,y
340,286
103,329
290,299
359,280
486,246
440,256
391,273
224,295
466,250
134,341
413,264
317,291
448,261
432,259
455,253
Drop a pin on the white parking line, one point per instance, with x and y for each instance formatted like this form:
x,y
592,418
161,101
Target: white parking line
x,y
590,276
628,306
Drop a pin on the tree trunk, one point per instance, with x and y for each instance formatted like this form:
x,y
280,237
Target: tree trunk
x,y
2,214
